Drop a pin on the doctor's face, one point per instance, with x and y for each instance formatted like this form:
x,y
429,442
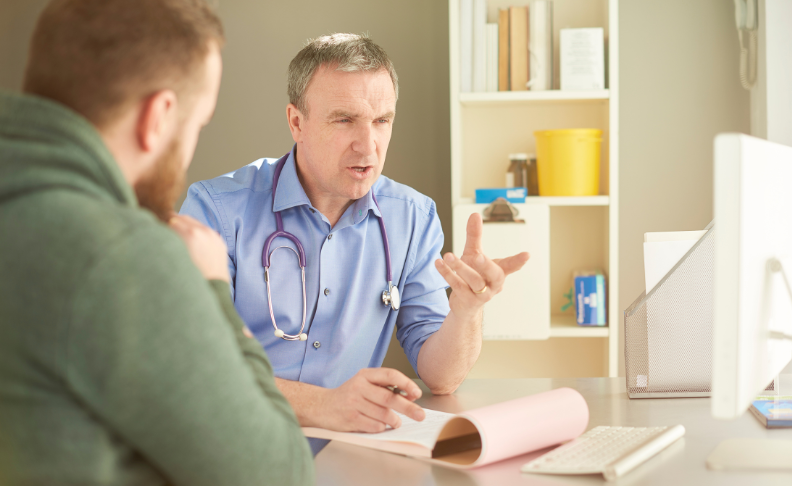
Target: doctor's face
x,y
343,139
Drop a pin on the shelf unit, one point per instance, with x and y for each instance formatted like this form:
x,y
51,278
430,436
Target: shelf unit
x,y
512,97
486,127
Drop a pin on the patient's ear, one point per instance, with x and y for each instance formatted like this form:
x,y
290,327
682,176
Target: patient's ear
x,y
157,120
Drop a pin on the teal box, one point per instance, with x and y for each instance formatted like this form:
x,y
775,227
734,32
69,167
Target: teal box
x,y
590,302
511,194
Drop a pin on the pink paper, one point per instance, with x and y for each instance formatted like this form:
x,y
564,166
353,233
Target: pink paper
x,y
527,424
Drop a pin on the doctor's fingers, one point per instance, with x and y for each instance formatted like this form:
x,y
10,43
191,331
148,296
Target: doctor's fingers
x,y
383,377
359,418
454,281
373,417
490,270
474,279
387,400
513,263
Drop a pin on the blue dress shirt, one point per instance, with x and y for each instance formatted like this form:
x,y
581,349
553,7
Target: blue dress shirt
x,y
348,326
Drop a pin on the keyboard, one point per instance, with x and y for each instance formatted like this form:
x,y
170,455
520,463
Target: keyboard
x,y
610,451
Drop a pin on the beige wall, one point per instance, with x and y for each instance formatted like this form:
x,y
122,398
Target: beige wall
x,y
679,87
250,121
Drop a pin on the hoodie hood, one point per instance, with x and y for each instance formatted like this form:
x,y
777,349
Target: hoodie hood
x,y
45,145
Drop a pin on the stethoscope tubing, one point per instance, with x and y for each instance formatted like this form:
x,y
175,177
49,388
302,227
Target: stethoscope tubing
x,y
390,296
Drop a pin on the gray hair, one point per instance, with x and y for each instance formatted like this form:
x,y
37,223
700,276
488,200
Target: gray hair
x,y
348,52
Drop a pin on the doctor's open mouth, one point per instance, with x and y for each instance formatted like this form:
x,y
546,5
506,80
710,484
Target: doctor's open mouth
x,y
361,172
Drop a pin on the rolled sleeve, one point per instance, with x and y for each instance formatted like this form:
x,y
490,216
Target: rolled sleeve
x,y
424,300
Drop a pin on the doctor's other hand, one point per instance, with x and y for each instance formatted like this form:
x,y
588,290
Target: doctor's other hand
x,y
473,277
207,249
363,404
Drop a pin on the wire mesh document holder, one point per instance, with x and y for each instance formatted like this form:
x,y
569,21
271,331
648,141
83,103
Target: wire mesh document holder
x,y
668,333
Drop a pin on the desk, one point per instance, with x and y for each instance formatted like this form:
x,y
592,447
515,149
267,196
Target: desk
x,y
680,464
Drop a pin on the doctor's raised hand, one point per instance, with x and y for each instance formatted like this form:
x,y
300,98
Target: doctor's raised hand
x,y
474,280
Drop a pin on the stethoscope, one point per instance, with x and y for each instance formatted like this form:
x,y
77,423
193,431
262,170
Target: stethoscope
x,y
390,296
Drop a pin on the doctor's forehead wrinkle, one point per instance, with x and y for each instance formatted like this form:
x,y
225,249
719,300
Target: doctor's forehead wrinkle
x,y
348,114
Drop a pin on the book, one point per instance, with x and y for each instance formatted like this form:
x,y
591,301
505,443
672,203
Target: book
x,y
541,45
481,436
479,45
492,57
518,48
503,49
773,412
590,298
466,46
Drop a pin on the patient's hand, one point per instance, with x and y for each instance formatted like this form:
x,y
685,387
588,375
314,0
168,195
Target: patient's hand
x,y
207,248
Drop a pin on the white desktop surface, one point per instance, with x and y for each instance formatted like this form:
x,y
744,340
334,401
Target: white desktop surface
x,y
680,464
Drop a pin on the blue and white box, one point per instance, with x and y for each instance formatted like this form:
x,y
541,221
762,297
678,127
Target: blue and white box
x,y
590,303
511,194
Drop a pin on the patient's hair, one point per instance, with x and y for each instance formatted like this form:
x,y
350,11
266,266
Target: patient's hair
x,y
345,52
99,57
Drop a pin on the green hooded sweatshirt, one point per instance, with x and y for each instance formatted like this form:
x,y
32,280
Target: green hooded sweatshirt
x,y
119,363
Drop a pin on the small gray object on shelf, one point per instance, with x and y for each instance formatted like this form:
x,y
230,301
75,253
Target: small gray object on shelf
x,y
501,211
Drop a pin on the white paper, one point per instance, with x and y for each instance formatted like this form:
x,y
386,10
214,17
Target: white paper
x,y
664,250
582,59
424,433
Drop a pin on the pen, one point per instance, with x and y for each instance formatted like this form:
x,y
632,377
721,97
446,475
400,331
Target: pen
x,y
397,390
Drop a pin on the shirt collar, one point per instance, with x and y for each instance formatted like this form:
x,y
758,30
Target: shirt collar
x,y
290,193
361,207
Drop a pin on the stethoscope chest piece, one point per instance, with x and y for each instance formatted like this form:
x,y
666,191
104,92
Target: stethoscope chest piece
x,y
391,297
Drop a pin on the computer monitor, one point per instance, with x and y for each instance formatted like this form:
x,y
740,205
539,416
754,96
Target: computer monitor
x,y
753,269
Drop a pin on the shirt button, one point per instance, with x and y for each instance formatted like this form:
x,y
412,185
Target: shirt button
x,y
317,344
327,292
330,236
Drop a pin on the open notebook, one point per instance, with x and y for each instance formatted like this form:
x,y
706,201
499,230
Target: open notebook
x,y
481,436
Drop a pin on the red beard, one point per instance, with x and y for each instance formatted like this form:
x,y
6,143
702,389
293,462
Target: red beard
x,y
158,189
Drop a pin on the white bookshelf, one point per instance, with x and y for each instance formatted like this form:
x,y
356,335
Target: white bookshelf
x,y
512,97
565,326
551,201
486,127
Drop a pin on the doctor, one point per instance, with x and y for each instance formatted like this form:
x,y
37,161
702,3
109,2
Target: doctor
x,y
362,235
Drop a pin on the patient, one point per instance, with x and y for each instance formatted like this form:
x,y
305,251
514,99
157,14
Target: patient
x,y
122,359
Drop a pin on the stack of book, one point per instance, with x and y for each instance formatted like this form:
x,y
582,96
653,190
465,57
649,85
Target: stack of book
x,y
513,54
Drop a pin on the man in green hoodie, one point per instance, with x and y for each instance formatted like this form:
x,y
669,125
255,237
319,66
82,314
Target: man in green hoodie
x,y
122,359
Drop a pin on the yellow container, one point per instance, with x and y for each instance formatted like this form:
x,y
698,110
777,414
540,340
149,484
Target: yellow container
x,y
568,161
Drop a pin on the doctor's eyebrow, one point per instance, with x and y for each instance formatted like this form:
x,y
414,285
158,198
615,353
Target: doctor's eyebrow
x,y
341,114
